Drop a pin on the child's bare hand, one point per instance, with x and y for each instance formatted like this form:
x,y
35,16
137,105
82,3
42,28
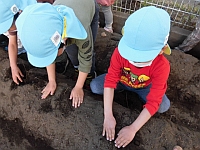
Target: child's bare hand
x,y
17,75
125,136
76,96
109,128
49,89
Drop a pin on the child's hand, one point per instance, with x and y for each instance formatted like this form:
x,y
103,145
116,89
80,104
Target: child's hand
x,y
125,136
17,75
49,89
76,96
109,128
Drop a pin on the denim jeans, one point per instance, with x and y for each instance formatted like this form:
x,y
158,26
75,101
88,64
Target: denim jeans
x,y
72,50
21,50
97,87
95,22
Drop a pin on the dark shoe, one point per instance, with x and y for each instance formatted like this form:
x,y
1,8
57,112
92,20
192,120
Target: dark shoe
x,y
61,67
92,75
89,78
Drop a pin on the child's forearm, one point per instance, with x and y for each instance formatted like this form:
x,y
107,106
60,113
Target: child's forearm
x,y
108,101
51,71
141,120
12,51
81,79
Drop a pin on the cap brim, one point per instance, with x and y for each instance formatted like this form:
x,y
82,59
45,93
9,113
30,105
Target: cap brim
x,y
42,62
82,34
167,50
136,55
5,26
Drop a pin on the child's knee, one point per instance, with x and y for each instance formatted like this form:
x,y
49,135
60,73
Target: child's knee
x,y
95,88
164,106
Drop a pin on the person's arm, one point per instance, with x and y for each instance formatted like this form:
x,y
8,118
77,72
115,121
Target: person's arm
x,y
109,120
77,93
85,53
110,83
141,120
12,53
126,134
51,86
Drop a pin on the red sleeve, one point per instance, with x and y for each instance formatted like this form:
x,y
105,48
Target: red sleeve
x,y
159,78
106,2
114,71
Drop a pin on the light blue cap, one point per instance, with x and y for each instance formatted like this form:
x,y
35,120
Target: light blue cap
x,y
41,27
8,8
146,32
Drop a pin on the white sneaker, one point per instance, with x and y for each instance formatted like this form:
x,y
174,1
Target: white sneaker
x,y
108,29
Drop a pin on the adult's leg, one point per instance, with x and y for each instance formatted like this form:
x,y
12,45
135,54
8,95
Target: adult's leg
x,y
192,40
107,10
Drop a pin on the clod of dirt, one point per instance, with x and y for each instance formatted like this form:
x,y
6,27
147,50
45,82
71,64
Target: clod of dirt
x,y
177,148
103,34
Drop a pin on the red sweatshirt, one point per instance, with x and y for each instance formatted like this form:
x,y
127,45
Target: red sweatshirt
x,y
121,70
105,2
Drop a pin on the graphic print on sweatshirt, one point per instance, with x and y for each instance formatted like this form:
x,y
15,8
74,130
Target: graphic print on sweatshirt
x,y
133,80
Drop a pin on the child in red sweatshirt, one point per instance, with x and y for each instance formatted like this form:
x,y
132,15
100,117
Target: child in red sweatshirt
x,y
137,65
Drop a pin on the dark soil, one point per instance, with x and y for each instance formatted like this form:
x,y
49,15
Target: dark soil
x,y
29,123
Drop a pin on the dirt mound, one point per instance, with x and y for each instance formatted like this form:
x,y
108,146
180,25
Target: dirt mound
x,y
27,122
